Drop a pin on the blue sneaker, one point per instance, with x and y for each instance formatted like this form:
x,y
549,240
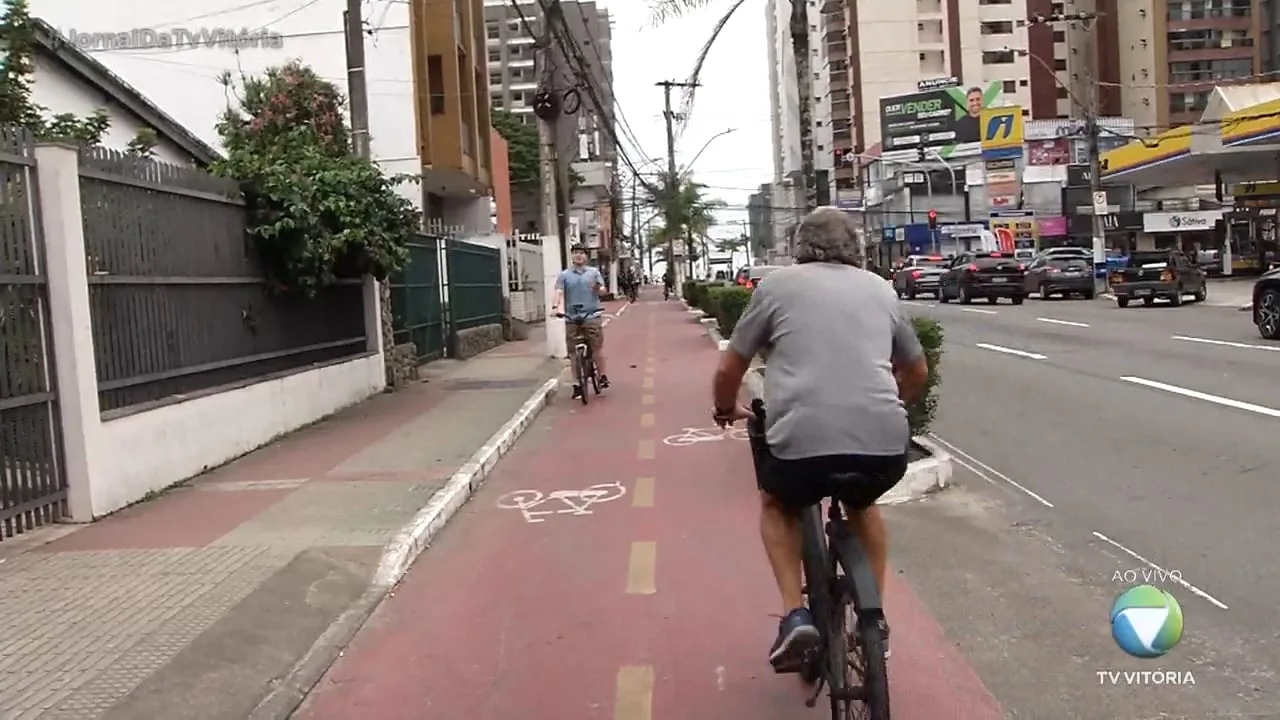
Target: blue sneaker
x,y
797,634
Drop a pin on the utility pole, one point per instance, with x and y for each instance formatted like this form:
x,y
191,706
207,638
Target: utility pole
x,y
356,89
635,225
673,181
547,109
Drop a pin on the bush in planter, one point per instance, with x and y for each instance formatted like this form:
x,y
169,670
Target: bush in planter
x,y
727,303
702,295
920,413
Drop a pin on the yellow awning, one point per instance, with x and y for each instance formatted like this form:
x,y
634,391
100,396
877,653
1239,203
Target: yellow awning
x,y
1139,154
1251,124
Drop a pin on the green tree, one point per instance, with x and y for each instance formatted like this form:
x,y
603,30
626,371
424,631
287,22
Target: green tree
x,y
317,212
687,213
664,10
522,149
18,40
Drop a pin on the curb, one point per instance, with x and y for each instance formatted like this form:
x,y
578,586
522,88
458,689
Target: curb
x,y
713,332
398,556
924,477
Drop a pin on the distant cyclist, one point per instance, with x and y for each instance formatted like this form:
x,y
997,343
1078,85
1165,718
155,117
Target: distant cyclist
x,y
579,288
842,359
668,284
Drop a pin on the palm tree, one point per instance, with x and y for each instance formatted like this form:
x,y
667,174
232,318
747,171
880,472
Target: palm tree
x,y
664,10
686,212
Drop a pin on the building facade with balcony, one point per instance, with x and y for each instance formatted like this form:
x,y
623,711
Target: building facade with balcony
x,y
451,111
784,91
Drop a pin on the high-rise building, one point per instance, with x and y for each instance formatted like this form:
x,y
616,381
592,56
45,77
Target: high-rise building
x,y
453,114
584,57
1158,63
784,91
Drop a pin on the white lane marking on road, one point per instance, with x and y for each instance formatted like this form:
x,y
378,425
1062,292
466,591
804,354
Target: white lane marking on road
x,y
917,303
1164,573
1011,351
624,309
1063,322
1226,343
961,457
979,311
1215,399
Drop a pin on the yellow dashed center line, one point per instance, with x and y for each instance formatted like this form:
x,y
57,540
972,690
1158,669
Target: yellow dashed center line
x,y
643,495
646,420
642,568
644,450
648,382
634,697
646,399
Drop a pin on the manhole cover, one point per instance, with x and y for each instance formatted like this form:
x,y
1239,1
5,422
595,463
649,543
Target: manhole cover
x,y
490,384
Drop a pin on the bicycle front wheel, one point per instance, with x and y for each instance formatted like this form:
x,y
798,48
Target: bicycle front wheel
x,y
584,370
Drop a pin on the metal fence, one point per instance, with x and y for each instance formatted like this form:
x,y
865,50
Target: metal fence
x,y
33,489
417,303
178,299
475,282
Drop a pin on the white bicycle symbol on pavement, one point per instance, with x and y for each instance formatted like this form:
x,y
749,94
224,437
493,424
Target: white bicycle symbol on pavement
x,y
574,502
693,436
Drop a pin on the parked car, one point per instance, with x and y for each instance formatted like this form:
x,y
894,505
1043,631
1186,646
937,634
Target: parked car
x,y
1063,275
919,274
1152,275
1065,252
751,275
989,275
1266,304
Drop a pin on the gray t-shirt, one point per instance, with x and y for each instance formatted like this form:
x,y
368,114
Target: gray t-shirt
x,y
833,332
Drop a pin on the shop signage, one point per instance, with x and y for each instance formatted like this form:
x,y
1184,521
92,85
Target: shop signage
x,y
1161,222
1121,222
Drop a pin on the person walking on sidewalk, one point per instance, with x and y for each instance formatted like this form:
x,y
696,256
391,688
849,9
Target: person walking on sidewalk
x,y
580,288
843,359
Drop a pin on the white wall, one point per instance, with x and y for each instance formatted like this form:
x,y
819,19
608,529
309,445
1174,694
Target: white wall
x,y
62,91
110,464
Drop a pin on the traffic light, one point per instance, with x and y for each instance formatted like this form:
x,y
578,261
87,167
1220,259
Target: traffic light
x,y
933,219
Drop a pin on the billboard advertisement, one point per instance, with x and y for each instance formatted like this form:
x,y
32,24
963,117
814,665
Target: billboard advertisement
x,y
1004,189
1015,231
942,118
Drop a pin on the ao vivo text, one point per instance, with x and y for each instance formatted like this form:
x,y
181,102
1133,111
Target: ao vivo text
x,y
1147,576
1145,677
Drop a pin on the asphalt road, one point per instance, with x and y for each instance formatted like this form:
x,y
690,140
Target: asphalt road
x,y
1097,440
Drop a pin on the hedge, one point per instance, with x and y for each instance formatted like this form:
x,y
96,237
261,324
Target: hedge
x,y
727,303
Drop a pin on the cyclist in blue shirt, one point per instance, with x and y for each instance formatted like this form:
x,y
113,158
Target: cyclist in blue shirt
x,y
579,288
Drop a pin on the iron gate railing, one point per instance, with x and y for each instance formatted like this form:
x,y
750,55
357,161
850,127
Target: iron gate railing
x,y
417,304
475,285
33,490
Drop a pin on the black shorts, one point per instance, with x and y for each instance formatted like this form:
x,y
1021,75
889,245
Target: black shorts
x,y
797,484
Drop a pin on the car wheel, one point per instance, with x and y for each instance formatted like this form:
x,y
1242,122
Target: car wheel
x,y
1044,291
1122,302
1148,301
1202,293
1268,314
992,300
1017,299
1176,299
943,297
1089,295
964,296
911,294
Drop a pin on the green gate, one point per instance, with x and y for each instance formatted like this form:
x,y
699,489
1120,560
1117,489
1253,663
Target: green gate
x,y
416,302
475,286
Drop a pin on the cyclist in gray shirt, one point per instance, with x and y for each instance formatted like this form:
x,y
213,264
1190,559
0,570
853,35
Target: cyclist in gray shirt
x,y
843,357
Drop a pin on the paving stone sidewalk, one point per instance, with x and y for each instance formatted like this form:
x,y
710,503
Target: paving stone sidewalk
x,y
190,605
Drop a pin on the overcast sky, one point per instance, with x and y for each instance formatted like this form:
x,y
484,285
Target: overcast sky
x,y
183,81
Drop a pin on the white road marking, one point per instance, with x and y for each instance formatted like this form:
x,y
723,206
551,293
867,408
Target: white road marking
x,y
1215,399
913,303
980,311
1063,322
1174,577
1227,343
968,461
1011,351
576,502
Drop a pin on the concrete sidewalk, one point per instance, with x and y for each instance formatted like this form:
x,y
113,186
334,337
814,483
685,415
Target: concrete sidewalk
x,y
200,602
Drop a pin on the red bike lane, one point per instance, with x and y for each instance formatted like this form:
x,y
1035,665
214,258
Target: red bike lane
x,y
611,568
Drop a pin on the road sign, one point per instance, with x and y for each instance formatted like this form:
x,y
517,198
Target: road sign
x,y
1100,203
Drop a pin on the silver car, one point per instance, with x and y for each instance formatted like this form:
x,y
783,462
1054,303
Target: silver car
x,y
919,275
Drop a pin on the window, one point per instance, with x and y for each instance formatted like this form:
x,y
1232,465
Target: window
x,y
1056,8
435,84
1201,9
1059,36
1208,38
1188,101
1059,64
1022,83
1209,70
995,2
1009,86
1062,93
997,57
999,27
491,31
496,102
495,56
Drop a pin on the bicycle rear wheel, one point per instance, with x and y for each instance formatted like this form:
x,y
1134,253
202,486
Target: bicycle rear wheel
x,y
872,644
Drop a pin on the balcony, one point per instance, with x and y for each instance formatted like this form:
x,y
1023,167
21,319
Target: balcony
x,y
832,6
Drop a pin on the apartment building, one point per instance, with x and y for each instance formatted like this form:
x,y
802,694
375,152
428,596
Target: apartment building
x,y
1158,63
784,90
867,50
584,140
452,117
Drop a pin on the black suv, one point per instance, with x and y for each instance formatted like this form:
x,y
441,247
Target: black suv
x,y
990,275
